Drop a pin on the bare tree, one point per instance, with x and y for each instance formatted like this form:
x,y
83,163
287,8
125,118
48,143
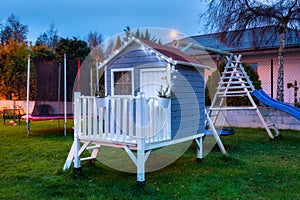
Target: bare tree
x,y
49,38
94,39
227,16
13,29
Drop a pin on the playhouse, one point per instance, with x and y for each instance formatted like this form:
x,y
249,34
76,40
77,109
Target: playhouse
x,y
131,115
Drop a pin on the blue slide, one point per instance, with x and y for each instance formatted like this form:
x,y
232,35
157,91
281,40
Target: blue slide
x,y
264,98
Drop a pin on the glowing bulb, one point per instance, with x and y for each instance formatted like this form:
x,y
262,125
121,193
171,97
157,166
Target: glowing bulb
x,y
173,34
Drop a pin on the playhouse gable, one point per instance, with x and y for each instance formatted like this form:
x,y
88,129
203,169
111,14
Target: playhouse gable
x,y
139,63
123,70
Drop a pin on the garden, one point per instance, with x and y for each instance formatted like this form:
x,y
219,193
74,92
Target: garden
x,y
256,168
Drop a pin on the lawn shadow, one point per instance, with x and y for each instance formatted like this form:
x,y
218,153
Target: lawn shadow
x,y
50,132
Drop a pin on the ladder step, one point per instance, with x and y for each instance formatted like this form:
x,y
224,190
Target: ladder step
x,y
233,72
232,82
271,125
233,87
87,158
93,147
234,61
234,77
232,92
241,95
228,72
233,108
230,67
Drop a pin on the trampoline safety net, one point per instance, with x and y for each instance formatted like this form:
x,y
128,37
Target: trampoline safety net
x,y
49,82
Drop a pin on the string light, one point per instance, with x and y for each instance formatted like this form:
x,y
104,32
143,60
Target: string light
x,y
173,34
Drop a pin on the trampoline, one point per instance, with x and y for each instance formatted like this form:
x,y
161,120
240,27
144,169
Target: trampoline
x,y
53,100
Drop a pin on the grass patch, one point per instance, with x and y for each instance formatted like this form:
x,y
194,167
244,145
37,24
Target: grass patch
x,y
257,168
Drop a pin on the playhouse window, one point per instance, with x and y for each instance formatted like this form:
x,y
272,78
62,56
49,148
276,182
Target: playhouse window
x,y
122,82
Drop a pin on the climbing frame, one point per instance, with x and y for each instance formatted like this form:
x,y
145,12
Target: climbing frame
x,y
235,82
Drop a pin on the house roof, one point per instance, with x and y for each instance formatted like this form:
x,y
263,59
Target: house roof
x,y
169,54
250,40
173,53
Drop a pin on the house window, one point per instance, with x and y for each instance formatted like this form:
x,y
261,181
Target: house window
x,y
122,82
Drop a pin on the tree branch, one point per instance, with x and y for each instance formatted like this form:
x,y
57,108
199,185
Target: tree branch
x,y
270,12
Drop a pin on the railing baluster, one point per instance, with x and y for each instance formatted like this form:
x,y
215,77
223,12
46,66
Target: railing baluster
x,y
100,120
131,130
84,116
112,120
162,119
95,116
106,118
118,118
79,117
90,116
150,132
125,120
156,122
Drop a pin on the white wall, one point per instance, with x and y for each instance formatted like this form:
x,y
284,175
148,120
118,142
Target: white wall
x,y
250,119
291,72
16,104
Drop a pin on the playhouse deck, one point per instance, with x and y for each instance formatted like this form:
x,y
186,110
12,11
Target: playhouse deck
x,y
134,124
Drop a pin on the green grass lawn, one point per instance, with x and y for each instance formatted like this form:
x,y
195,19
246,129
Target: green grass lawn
x,y
257,168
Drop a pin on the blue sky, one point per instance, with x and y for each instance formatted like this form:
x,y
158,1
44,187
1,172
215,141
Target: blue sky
x,y
79,17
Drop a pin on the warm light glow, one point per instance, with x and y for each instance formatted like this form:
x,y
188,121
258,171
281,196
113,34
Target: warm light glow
x,y
173,34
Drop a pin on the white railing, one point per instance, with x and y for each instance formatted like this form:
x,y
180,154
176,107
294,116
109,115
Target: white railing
x,y
121,119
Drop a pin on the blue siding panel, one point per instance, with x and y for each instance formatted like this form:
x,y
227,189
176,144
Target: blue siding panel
x,y
188,105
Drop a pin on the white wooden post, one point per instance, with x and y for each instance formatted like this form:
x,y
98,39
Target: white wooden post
x,y
97,77
77,119
140,126
199,142
215,134
27,98
65,94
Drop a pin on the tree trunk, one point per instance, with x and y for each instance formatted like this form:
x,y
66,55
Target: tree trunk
x,y
280,78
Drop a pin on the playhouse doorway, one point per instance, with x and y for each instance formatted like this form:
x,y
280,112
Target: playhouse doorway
x,y
152,79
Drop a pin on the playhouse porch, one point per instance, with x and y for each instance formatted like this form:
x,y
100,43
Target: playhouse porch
x,y
133,123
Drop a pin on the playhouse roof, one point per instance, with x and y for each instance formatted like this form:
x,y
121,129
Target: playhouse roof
x,y
169,54
174,53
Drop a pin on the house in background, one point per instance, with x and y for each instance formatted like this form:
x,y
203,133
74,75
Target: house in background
x,y
262,54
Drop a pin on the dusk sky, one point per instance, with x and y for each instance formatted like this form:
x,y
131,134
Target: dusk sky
x,y
79,17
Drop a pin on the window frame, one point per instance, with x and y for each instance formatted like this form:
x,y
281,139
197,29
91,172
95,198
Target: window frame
x,y
113,81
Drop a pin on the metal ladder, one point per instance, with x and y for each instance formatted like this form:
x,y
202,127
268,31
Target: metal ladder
x,y
268,119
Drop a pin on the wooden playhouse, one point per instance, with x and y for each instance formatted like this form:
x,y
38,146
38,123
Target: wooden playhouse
x,y
131,116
